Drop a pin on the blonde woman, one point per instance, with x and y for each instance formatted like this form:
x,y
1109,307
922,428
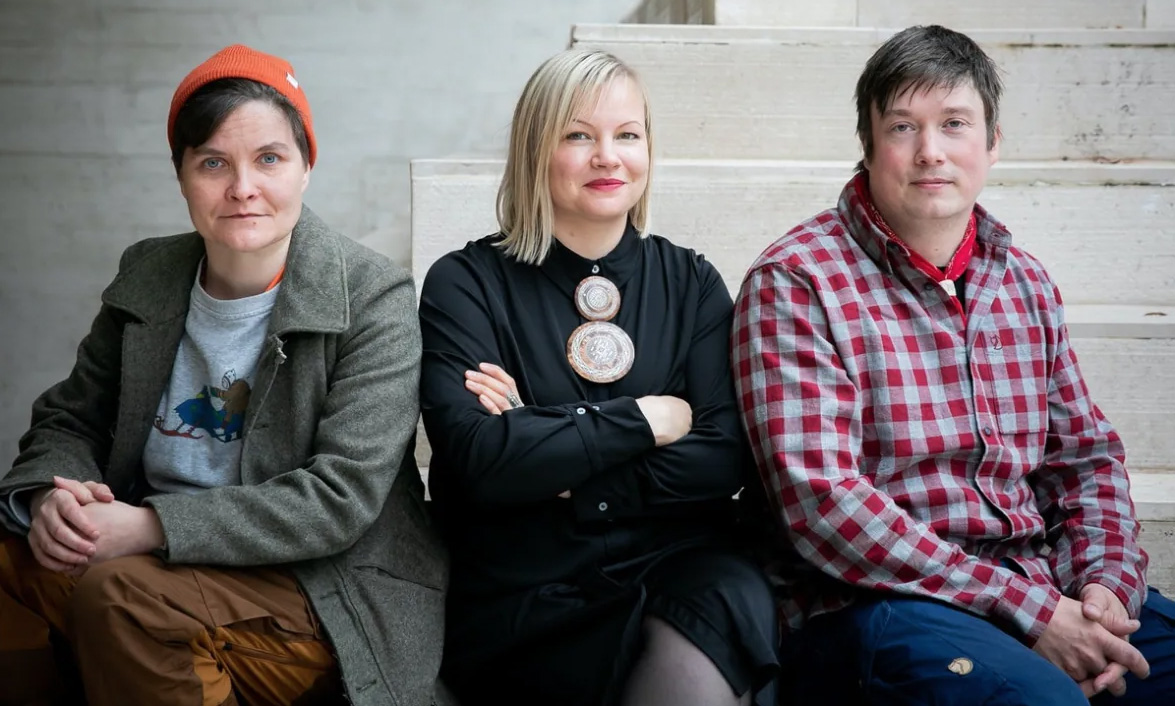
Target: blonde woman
x,y
586,441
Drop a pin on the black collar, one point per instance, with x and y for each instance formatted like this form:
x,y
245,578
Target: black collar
x,y
567,269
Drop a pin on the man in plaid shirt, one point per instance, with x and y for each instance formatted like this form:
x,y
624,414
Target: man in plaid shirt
x,y
959,506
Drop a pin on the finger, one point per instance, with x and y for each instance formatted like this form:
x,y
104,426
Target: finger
x,y
1118,650
74,488
499,399
53,532
491,383
1111,678
1119,625
50,563
100,491
52,549
1091,610
496,372
489,404
1087,688
70,511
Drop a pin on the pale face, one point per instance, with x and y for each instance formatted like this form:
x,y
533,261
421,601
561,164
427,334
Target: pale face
x,y
244,185
930,159
600,167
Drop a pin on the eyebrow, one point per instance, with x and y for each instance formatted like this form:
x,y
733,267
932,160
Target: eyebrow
x,y
269,147
630,122
949,110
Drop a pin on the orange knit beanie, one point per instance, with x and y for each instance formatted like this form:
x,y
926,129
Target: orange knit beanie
x,y
239,61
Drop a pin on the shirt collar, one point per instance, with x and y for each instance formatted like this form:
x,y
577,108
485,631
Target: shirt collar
x,y
567,269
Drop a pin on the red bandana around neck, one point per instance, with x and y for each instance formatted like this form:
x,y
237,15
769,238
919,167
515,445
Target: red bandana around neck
x,y
945,276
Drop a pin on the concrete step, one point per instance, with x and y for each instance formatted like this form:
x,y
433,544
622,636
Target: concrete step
x,y
779,93
1013,14
1070,215
1073,216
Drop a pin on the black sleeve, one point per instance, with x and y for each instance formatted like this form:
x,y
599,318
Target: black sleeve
x,y
530,454
708,463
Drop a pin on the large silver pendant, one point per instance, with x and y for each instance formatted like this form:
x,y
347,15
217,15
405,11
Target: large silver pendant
x,y
597,350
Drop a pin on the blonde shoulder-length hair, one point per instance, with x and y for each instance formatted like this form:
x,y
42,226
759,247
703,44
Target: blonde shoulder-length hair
x,y
554,95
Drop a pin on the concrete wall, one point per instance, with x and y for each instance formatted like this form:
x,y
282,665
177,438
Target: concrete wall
x,y
84,92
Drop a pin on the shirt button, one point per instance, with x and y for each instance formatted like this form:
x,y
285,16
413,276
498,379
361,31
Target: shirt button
x,y
595,269
603,507
987,431
596,407
580,410
928,286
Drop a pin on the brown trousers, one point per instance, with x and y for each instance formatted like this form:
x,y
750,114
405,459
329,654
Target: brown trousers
x,y
137,631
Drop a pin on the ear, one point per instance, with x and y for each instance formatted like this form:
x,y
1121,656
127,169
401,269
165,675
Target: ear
x,y
993,154
305,178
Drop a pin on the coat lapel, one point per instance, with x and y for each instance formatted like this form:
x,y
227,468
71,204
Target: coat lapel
x,y
155,292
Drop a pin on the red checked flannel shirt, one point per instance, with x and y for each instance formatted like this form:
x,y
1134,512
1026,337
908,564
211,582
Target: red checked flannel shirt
x,y
907,451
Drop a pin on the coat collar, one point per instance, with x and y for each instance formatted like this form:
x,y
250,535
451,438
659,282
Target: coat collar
x,y
313,297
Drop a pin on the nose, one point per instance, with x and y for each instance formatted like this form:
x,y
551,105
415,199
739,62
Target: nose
x,y
930,148
243,186
605,154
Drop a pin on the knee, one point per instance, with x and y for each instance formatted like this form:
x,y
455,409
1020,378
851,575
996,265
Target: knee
x,y
1047,686
105,587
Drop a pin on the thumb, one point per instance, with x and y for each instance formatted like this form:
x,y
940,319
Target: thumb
x,y
1091,608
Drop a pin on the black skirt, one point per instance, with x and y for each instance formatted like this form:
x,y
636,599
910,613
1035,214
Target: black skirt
x,y
576,644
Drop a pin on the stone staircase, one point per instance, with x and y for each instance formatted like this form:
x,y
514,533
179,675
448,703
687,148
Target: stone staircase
x,y
755,131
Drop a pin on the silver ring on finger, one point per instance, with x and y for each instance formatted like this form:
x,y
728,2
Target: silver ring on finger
x,y
512,398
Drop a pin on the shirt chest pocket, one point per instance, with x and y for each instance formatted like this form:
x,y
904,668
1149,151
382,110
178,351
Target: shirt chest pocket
x,y
1018,363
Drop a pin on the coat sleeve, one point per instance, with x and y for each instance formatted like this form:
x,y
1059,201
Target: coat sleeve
x,y
72,422
530,454
365,427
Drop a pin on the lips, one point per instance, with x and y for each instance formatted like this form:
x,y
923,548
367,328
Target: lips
x,y
605,183
245,215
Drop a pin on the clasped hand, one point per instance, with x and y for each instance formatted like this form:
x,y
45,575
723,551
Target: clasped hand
x,y
1089,641
75,524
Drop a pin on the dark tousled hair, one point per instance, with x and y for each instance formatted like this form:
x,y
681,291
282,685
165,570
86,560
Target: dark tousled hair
x,y
204,112
919,59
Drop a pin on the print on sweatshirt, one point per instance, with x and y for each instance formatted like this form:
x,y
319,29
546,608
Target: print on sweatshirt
x,y
220,411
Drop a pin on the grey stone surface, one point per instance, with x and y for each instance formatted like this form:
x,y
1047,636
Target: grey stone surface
x,y
84,92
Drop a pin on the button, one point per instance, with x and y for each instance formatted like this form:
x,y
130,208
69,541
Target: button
x,y
580,410
596,407
987,431
928,286
603,507
595,269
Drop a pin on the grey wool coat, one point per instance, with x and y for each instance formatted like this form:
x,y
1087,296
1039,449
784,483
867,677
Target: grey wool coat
x,y
329,485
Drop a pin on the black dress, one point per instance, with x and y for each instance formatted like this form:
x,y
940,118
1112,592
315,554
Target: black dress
x,y
547,594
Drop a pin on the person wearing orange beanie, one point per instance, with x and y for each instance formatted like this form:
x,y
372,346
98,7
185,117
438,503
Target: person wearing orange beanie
x,y
220,504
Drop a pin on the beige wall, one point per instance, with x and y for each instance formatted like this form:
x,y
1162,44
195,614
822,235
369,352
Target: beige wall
x,y
84,94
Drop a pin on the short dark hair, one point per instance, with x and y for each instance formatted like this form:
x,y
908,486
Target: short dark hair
x,y
918,59
203,113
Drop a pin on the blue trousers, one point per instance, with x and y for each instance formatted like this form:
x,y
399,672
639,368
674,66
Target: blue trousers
x,y
895,650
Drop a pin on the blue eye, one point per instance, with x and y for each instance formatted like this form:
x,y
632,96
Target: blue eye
x,y
269,158
956,123
212,163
